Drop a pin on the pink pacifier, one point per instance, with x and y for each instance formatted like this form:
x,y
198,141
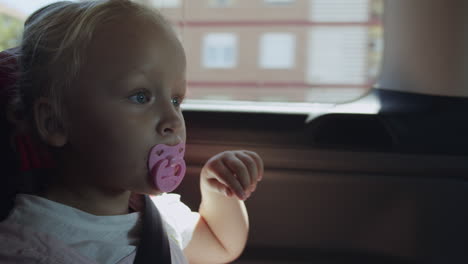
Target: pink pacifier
x,y
167,166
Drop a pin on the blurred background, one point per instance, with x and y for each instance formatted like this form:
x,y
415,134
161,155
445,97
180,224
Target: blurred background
x,y
265,51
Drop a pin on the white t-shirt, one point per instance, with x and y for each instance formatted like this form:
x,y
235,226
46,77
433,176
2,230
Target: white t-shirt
x,y
106,239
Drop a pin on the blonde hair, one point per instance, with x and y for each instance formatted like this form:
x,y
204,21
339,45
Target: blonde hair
x,y
54,41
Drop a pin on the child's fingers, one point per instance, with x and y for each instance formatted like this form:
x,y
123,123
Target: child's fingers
x,y
227,177
220,187
254,188
251,165
239,169
258,161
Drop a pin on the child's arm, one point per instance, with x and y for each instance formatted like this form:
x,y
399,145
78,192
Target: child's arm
x,y
221,233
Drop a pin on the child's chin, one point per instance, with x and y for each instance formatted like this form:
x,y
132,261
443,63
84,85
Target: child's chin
x,y
155,192
152,190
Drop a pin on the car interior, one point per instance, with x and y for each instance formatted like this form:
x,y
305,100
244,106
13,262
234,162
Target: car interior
x,y
385,187
341,187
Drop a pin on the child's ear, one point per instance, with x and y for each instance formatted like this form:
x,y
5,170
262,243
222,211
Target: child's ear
x,y
49,127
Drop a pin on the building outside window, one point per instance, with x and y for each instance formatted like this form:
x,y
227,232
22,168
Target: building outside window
x,y
221,3
313,51
165,3
279,2
219,50
277,51
340,10
336,55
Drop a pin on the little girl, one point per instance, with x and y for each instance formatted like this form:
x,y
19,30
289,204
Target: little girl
x,y
92,99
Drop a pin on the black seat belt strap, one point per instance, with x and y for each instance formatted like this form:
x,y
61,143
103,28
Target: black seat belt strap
x,y
154,244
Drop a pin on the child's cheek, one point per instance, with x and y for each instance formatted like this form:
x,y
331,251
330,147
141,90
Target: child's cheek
x,y
112,150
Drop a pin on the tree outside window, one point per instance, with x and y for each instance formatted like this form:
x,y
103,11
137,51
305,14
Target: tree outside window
x,y
10,31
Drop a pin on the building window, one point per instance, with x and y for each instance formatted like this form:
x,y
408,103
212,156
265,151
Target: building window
x,y
339,10
220,50
166,3
337,55
279,2
220,3
277,51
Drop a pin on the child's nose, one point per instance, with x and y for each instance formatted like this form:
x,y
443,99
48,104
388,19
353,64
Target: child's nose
x,y
170,123
168,131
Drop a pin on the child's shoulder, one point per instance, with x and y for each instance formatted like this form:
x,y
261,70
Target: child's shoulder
x,y
179,219
23,245
171,207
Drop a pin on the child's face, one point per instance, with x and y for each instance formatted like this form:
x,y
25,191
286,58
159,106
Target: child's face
x,y
126,100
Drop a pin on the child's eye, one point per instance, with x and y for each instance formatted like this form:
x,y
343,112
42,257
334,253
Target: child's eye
x,y
177,101
140,98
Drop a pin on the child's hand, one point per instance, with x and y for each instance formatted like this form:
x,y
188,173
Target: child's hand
x,y
233,172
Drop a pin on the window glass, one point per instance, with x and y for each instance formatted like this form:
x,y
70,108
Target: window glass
x,y
313,51
340,10
220,3
336,54
279,1
10,28
165,3
277,50
219,50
